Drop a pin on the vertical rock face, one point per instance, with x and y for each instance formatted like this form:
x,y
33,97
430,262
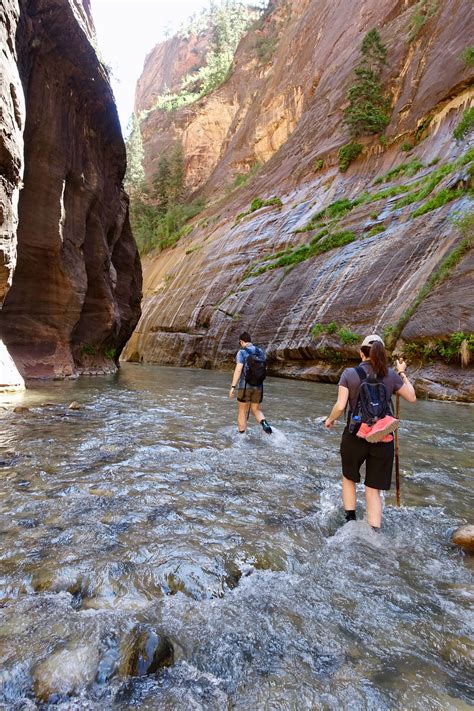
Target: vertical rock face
x,y
363,263
75,294
12,113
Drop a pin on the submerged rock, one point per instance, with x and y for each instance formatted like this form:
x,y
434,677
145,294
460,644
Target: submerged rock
x,y
145,651
75,405
66,671
464,537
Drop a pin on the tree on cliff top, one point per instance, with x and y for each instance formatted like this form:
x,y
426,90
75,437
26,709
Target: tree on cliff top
x,y
368,111
135,175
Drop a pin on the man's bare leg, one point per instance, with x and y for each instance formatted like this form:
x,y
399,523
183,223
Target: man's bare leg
x,y
256,412
242,415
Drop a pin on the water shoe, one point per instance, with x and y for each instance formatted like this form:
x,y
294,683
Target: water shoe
x,y
266,427
381,429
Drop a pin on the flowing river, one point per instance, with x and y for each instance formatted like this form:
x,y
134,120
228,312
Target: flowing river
x,y
143,524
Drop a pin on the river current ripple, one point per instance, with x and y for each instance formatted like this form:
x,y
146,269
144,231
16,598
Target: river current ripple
x,y
147,508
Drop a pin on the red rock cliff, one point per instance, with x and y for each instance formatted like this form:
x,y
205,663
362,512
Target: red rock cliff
x,y
286,113
75,291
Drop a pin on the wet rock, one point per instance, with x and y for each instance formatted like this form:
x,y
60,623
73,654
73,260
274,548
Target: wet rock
x,y
459,652
75,405
20,410
61,302
7,457
464,537
66,671
144,651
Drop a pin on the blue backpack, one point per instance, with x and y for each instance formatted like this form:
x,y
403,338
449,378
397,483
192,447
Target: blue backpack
x,y
255,368
373,401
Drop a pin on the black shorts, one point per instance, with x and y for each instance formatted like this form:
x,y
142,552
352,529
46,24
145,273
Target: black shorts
x,y
378,460
251,393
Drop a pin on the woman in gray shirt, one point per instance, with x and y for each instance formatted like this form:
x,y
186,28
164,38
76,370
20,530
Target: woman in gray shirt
x,y
378,457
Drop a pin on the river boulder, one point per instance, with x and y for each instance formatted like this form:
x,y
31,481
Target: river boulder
x,y
144,651
464,537
66,671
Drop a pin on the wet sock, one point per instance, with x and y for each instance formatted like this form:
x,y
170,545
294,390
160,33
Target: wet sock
x,y
350,516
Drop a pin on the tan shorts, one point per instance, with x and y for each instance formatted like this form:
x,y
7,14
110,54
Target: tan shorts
x,y
251,393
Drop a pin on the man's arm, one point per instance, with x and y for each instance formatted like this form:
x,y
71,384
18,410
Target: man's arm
x,y
235,379
339,407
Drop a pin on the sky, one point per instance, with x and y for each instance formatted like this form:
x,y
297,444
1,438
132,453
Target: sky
x,y
127,30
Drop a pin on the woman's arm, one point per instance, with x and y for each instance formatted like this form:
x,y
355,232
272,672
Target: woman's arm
x,y
339,407
235,379
407,391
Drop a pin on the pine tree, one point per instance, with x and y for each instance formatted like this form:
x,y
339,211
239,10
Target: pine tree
x,y
135,175
368,111
161,184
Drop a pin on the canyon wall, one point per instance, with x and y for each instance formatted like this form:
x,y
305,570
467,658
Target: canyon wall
x,y
71,274
378,262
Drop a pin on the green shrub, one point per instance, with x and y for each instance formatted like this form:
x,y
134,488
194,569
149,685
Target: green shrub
x,y
427,184
408,169
424,9
389,192
467,56
256,204
465,125
407,147
465,224
318,164
243,178
376,230
110,353
87,349
317,330
318,245
347,336
347,154
440,199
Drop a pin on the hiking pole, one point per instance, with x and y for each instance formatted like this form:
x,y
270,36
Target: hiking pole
x,y
397,456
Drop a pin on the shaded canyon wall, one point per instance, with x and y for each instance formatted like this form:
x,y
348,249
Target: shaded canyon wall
x,y
71,279
286,113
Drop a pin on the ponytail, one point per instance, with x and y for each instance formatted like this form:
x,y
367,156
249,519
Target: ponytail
x,y
378,359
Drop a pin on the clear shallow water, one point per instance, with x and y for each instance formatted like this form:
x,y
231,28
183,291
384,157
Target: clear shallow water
x,y
146,508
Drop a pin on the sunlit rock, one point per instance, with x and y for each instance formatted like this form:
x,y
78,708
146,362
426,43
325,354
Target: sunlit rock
x,y
10,378
66,671
464,537
75,405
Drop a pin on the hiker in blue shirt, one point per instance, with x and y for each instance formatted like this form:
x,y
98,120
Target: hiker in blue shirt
x,y
247,379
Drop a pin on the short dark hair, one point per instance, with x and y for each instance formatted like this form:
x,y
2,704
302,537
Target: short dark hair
x,y
245,337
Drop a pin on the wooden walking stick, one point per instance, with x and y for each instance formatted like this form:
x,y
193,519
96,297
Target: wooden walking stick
x,y
397,456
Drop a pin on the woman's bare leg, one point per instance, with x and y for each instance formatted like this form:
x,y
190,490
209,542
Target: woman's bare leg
x,y
374,507
349,498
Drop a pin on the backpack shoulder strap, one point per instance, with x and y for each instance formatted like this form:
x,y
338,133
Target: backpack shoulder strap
x,y
361,372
